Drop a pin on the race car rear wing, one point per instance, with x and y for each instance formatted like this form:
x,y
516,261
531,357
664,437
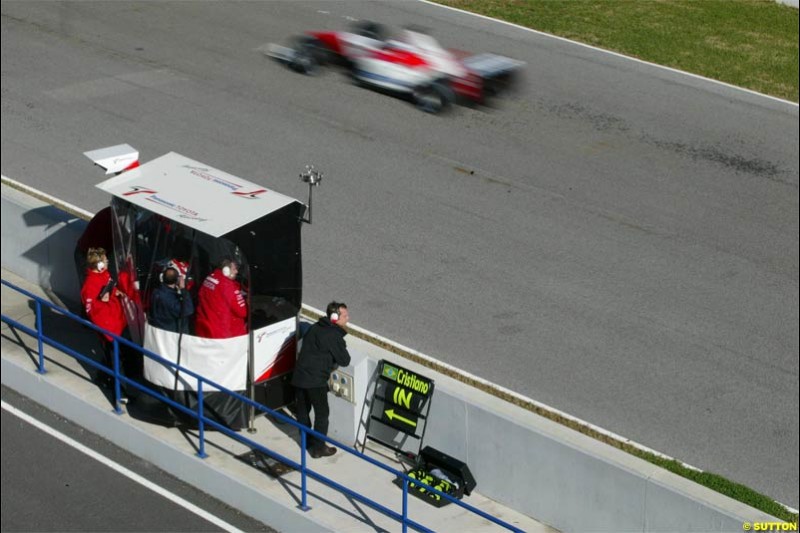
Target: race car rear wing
x,y
280,53
491,65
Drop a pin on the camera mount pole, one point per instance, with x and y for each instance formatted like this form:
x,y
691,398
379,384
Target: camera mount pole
x,y
313,177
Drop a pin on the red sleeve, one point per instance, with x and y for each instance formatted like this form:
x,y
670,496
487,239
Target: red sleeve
x,y
237,302
127,287
91,288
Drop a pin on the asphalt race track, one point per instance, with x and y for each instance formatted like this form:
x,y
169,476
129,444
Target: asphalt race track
x,y
616,240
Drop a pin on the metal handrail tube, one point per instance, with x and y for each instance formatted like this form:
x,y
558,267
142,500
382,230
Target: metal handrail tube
x,y
117,391
39,336
405,504
303,472
202,420
55,344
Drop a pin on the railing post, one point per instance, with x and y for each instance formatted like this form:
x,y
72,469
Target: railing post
x,y
405,504
303,490
201,452
39,336
117,386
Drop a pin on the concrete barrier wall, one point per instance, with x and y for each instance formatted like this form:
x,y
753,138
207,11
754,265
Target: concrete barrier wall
x,y
546,470
519,459
38,242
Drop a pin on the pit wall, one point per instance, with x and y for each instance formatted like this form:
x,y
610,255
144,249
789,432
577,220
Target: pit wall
x,y
524,461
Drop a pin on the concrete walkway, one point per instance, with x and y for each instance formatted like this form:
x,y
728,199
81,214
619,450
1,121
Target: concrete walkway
x,y
272,498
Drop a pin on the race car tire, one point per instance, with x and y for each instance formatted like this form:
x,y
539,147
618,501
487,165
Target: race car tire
x,y
321,53
497,85
303,62
369,29
308,55
433,98
355,76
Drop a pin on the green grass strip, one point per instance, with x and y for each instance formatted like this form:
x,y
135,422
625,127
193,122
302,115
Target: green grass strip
x,y
747,43
719,484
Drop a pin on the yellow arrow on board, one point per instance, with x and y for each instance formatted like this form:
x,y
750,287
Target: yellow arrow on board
x,y
392,415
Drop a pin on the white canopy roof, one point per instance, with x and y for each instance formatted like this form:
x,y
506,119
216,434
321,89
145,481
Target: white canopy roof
x,y
194,194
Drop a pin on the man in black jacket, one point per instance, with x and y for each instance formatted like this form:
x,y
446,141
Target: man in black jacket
x,y
323,351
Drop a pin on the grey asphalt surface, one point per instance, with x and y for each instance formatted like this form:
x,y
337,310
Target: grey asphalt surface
x,y
616,240
51,486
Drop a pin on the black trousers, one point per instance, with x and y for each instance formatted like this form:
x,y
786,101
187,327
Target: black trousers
x,y
131,361
316,399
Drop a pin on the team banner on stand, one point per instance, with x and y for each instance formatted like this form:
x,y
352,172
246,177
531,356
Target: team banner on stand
x,y
401,402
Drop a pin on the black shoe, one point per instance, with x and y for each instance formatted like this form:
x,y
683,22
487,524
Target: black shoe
x,y
322,451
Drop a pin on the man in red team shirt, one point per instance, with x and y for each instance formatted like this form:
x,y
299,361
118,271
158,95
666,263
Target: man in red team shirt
x,y
102,303
221,307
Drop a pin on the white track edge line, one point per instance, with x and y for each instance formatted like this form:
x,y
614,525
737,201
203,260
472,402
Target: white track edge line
x,y
205,515
617,54
36,193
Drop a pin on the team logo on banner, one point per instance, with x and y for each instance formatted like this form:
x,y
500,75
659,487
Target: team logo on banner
x,y
137,189
253,195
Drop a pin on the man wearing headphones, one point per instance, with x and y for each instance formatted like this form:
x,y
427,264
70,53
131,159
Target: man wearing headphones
x,y
323,351
170,305
103,306
221,307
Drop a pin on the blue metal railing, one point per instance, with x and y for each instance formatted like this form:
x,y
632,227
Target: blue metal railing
x,y
203,421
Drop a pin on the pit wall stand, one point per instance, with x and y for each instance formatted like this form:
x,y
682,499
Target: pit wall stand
x,y
400,404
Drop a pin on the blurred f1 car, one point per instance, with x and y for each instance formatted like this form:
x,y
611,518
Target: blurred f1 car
x,y
414,65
